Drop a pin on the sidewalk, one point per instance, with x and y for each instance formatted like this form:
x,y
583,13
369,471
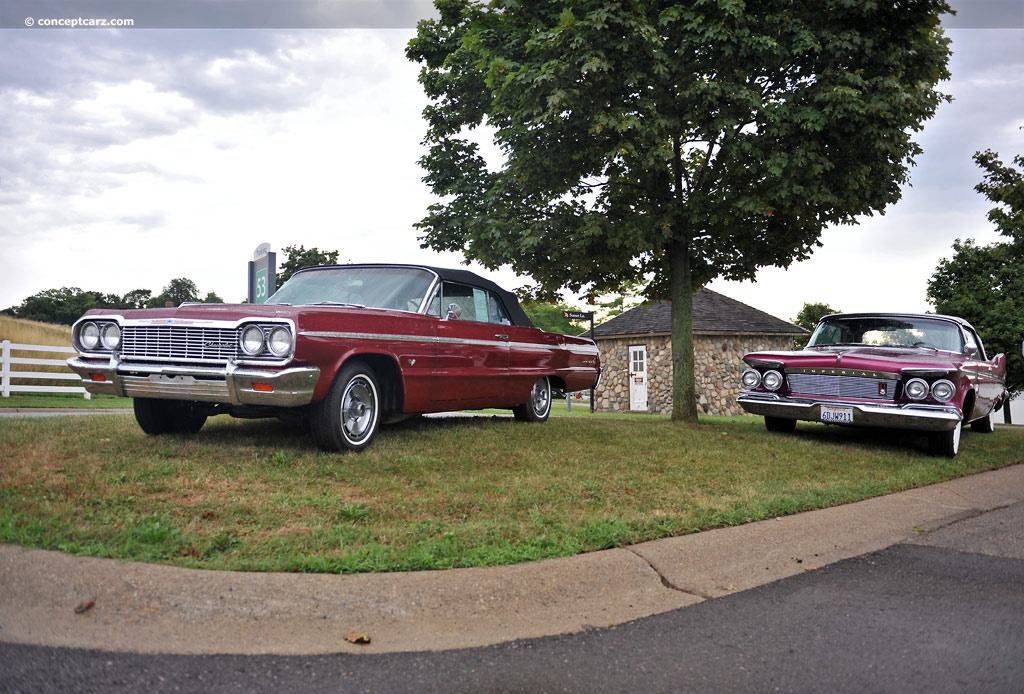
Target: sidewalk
x,y
153,609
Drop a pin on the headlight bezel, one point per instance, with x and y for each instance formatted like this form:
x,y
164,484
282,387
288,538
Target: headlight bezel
x,y
265,341
773,380
938,388
97,335
750,378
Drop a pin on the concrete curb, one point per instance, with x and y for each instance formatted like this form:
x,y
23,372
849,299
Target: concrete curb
x,y
154,609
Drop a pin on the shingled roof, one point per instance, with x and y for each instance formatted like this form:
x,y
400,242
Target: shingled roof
x,y
712,313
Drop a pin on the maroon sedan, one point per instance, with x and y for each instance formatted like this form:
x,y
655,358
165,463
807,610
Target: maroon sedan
x,y
925,373
343,348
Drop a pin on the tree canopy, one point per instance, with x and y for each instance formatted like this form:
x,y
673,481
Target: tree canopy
x,y
66,305
299,257
985,284
808,318
668,142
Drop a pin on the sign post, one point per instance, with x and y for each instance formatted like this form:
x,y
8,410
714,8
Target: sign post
x,y
583,315
262,274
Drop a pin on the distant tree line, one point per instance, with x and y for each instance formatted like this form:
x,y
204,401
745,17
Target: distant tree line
x,y
65,305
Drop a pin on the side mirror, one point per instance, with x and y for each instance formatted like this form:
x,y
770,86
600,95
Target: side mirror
x,y
454,312
970,349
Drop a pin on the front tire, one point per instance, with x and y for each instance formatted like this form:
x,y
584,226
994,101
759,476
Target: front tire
x,y
946,443
156,417
780,424
983,425
348,418
538,407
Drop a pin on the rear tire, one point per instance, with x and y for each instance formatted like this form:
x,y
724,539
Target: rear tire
x,y
348,418
157,416
538,407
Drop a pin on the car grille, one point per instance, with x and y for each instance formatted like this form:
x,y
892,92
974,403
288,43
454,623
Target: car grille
x,y
179,343
843,386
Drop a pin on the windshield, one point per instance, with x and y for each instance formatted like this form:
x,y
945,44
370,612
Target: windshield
x,y
888,331
402,288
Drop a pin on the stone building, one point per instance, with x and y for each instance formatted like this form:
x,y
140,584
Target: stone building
x,y
636,353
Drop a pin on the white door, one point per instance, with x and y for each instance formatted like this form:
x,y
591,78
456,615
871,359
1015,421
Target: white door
x,y
638,377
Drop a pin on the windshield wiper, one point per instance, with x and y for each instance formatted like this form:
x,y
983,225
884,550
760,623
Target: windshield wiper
x,y
338,303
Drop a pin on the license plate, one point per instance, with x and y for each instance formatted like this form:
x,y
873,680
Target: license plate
x,y
837,415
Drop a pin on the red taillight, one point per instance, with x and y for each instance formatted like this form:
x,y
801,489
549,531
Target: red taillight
x,y
263,387
98,378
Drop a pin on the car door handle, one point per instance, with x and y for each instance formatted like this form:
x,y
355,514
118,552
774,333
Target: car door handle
x,y
501,337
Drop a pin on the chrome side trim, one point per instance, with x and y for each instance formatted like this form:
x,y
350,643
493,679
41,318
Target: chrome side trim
x,y
389,337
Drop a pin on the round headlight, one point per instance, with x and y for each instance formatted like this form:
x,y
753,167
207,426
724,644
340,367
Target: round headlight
x,y
916,389
110,336
751,378
252,340
943,390
772,380
280,342
89,336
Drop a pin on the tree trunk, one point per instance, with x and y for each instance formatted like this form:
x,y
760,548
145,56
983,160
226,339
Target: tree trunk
x,y
684,384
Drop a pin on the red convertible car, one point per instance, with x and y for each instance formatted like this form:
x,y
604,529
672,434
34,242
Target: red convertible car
x,y
925,373
344,348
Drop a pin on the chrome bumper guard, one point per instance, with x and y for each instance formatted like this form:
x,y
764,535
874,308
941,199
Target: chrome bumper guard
x,y
912,417
232,384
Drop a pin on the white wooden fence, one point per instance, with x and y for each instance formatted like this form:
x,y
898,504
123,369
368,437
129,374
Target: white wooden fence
x,y
7,374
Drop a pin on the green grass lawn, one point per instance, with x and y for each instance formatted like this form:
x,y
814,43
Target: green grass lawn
x,y
434,493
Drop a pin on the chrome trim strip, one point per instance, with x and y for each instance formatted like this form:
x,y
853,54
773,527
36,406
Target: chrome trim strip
x,y
836,371
388,337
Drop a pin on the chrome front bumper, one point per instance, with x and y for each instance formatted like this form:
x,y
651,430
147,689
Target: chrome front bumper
x,y
231,384
882,416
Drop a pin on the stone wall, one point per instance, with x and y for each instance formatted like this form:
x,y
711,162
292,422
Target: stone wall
x,y
719,363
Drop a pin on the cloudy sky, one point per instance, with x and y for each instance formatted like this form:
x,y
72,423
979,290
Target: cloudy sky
x,y
133,156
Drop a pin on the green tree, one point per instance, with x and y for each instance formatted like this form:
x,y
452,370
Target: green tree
x,y
810,314
551,317
985,284
299,257
137,298
178,292
808,317
668,142
62,306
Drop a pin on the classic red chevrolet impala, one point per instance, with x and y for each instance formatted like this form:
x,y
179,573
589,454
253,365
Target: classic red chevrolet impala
x,y
343,348
925,373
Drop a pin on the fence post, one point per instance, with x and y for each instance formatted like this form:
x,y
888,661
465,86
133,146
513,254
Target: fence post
x,y
5,369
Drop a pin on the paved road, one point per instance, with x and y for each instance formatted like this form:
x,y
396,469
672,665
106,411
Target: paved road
x,y
941,610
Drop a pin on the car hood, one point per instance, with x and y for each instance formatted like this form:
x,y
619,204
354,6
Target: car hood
x,y
891,359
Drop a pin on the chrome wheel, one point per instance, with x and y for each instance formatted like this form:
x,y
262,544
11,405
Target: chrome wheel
x,y
358,408
349,416
538,407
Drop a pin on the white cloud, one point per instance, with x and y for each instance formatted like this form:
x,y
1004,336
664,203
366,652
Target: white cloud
x,y
130,158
